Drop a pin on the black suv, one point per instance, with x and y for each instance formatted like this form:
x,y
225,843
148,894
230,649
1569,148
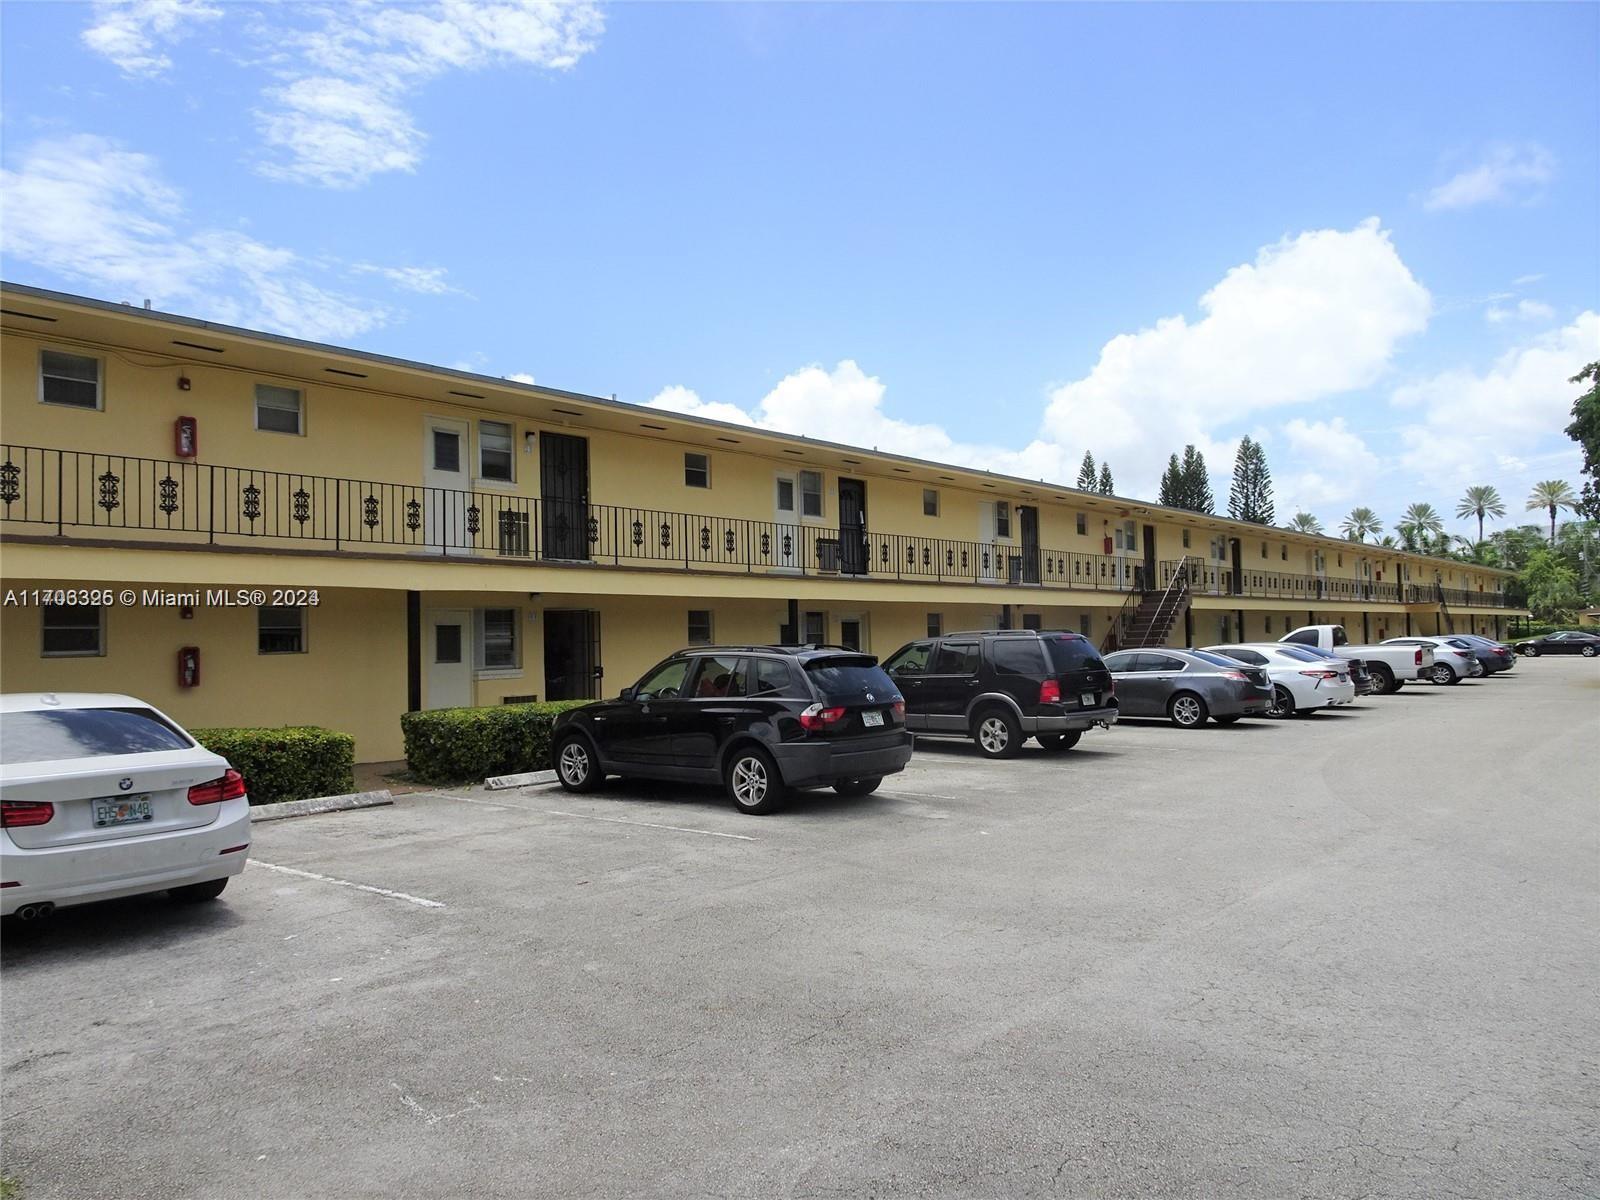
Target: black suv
x,y
1000,687
759,719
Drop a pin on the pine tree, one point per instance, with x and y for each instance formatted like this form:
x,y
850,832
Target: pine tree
x,y
1196,482
1086,475
1172,485
1107,488
1251,496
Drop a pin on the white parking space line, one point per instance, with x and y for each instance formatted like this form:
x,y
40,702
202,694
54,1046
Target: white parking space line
x,y
650,825
360,887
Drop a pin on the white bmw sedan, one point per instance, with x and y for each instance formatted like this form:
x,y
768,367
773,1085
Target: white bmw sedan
x,y
103,796
1302,680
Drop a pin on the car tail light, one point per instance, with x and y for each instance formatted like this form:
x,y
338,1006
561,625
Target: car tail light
x,y
899,707
1320,674
817,717
229,787
1236,676
1419,656
1050,692
15,814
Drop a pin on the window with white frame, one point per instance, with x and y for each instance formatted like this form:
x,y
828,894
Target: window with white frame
x,y
930,502
279,409
280,629
814,630
1083,524
699,627
785,498
495,460
935,624
1185,539
697,470
499,648
72,630
811,493
1002,518
70,380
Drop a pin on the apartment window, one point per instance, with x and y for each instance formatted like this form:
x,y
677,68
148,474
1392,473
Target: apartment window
x,y
785,497
1283,552
1263,549
497,639
1185,539
699,627
814,631
1032,621
280,629
930,502
1002,518
1085,624
279,409
70,380
446,644
1083,526
697,470
1341,560
935,624
810,493
850,633
495,460
446,450
72,631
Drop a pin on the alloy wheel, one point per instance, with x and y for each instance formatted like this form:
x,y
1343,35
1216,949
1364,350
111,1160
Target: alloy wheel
x,y
750,781
993,734
1186,711
1442,673
1282,702
574,763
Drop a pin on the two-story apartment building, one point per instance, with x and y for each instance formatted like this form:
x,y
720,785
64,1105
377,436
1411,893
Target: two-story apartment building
x,y
172,492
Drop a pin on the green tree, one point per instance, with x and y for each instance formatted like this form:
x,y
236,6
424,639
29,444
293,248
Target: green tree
x,y
1172,484
1578,544
1304,522
1551,495
1552,587
1359,523
1251,496
1418,526
1086,473
1196,482
1481,500
1106,487
1585,430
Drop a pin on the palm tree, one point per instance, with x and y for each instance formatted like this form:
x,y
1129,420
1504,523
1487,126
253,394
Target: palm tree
x,y
1359,523
1480,501
1304,522
1419,524
1551,495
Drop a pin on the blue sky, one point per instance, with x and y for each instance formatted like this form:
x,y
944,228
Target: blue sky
x,y
997,234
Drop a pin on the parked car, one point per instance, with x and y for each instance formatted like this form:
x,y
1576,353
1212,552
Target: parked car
x,y
1494,656
1001,687
104,796
1187,686
1392,667
1453,659
1302,682
1569,641
762,720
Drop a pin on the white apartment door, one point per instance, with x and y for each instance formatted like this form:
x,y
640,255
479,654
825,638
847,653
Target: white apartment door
x,y
779,545
449,658
991,565
446,476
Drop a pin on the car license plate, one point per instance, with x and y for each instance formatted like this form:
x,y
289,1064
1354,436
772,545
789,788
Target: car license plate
x,y
124,810
1087,699
871,718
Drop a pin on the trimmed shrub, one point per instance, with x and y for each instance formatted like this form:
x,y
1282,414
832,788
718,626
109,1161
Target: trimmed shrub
x,y
453,745
292,763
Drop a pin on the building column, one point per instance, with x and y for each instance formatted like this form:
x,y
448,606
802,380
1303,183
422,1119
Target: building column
x,y
1408,622
413,651
1188,627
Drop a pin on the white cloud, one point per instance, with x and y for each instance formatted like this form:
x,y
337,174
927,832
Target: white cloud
x,y
428,281
89,210
1506,174
1524,280
339,117
1336,465
1525,310
520,377
128,32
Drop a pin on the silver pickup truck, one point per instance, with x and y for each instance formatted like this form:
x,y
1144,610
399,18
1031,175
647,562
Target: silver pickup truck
x,y
1391,667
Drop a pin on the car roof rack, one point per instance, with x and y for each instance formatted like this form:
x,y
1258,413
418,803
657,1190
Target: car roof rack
x,y
1010,633
773,648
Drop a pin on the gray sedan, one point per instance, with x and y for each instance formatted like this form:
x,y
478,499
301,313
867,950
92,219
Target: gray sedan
x,y
1187,686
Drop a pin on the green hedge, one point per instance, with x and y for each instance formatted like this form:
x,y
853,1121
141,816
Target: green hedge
x,y
452,745
291,763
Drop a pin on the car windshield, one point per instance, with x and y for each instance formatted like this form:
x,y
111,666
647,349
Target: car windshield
x,y
1073,654
851,679
1216,660
47,735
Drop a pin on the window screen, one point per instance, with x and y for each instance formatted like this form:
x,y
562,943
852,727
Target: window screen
x,y
811,493
280,629
699,627
495,459
72,630
278,408
72,380
499,637
696,470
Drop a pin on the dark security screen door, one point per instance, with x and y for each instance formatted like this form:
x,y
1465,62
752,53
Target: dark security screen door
x,y
571,654
564,482
852,527
1149,558
1029,518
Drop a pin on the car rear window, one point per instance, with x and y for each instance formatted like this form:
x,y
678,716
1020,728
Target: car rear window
x,y
850,679
46,735
1305,655
1254,657
1073,654
1216,660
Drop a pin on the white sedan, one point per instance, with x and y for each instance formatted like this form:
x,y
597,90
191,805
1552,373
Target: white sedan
x,y
1302,680
103,796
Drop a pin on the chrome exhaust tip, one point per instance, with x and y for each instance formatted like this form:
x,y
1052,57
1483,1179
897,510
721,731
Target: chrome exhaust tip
x,y
36,912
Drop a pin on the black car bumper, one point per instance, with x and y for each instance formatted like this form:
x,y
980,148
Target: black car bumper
x,y
820,763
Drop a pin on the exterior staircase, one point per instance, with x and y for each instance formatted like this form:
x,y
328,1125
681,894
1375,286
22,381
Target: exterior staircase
x,y
1444,609
1152,620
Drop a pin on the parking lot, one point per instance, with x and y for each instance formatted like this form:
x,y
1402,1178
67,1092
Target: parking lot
x,y
1352,955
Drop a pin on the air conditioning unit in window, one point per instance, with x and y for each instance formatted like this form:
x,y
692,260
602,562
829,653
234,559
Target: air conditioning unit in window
x,y
828,555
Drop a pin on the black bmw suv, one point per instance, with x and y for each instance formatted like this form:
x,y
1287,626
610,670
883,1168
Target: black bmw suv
x,y
761,720
1000,687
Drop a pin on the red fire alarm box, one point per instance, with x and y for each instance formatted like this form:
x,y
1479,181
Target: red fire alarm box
x,y
189,667
186,437
1108,545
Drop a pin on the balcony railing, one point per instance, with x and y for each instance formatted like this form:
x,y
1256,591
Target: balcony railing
x,y
125,498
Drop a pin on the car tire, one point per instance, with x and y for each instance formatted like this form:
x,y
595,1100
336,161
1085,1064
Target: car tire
x,y
996,733
753,781
1383,680
198,893
1282,702
858,787
1442,674
1589,651
577,766
1187,711
1528,651
1057,742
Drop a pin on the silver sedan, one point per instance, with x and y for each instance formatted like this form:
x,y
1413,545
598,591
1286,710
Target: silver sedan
x,y
1187,686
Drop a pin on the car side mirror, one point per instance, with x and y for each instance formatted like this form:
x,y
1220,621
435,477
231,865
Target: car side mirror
x,y
627,694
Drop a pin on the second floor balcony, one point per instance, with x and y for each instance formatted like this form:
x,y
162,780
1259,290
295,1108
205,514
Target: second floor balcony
x,y
124,499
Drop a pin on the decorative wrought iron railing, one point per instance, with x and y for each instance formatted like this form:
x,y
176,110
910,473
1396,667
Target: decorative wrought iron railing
x,y
1219,579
